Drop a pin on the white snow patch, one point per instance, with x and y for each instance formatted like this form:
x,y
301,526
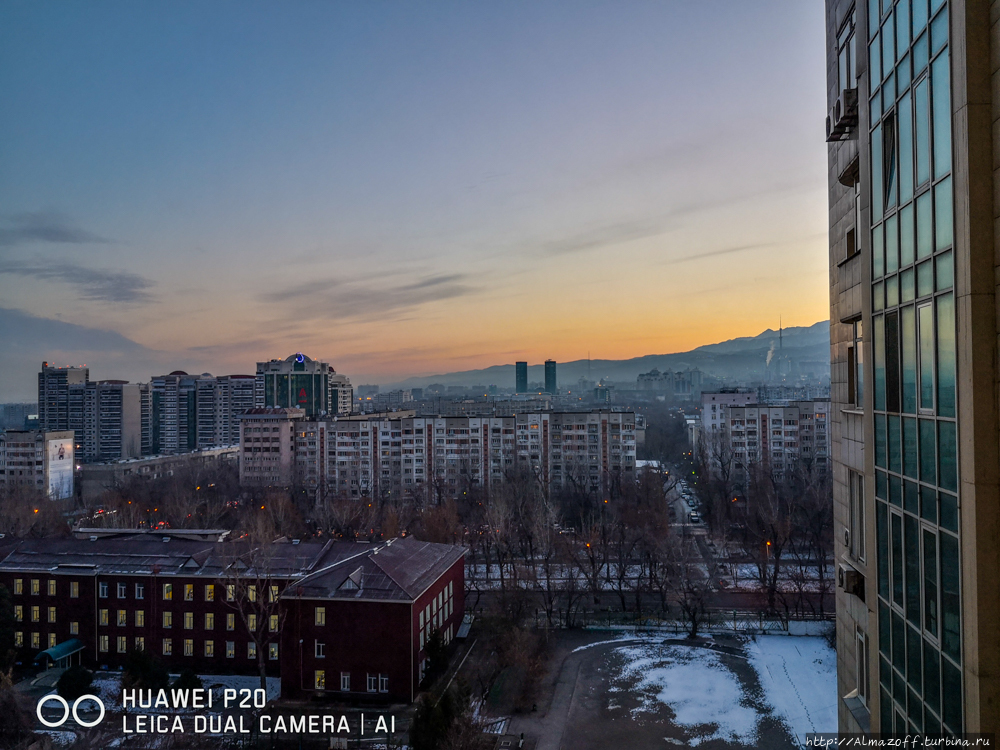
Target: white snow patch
x,y
702,693
620,639
799,678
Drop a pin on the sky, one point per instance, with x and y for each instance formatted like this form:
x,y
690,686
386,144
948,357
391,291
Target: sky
x,y
404,188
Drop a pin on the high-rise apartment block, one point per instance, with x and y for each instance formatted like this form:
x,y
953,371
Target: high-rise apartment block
x,y
520,377
57,404
300,382
389,453
913,144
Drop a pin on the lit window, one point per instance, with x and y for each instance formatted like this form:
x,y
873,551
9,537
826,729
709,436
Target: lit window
x,y
273,625
36,641
103,642
36,587
230,592
321,615
209,648
230,622
209,621
252,593
140,643
168,647
122,644
251,650
122,618
140,618
168,591
272,651
19,587
319,679
74,628
74,590
18,613
52,587
19,639
102,617
189,620
188,647
209,593
52,640
274,593
189,592
230,649
168,619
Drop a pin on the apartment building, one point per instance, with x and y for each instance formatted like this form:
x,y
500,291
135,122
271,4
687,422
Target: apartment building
x,y
913,139
59,407
781,437
41,461
267,446
400,452
714,404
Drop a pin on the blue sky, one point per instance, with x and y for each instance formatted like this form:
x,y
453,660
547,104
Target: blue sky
x,y
403,188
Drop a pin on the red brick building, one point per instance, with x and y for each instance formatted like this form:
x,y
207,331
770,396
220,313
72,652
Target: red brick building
x,y
225,607
357,628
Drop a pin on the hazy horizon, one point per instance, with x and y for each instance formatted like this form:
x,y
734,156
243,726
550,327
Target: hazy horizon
x,y
404,189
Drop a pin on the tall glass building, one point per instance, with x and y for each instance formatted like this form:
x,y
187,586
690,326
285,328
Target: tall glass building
x,y
913,155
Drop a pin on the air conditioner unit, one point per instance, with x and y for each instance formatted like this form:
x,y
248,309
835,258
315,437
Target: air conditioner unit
x,y
847,538
843,116
851,581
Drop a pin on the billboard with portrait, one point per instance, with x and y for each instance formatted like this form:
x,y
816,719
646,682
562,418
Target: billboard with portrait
x,y
60,454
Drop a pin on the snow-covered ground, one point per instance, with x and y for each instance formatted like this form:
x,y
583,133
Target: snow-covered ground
x,y
703,694
797,675
799,678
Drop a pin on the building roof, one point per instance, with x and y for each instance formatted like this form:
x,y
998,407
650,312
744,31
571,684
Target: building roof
x,y
397,570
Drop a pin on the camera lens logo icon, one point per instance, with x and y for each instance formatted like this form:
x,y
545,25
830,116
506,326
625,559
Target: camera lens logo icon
x,y
67,710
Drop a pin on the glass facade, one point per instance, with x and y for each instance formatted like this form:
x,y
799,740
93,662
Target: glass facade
x,y
913,338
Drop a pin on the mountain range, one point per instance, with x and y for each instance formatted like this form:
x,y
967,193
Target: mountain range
x,y
801,350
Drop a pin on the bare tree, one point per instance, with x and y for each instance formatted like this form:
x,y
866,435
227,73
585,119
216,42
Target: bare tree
x,y
252,584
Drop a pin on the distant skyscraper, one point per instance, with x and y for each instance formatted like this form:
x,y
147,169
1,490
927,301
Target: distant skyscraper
x,y
550,376
521,377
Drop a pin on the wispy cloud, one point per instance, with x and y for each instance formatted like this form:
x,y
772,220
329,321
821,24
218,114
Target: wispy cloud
x,y
44,226
91,283
370,299
605,236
